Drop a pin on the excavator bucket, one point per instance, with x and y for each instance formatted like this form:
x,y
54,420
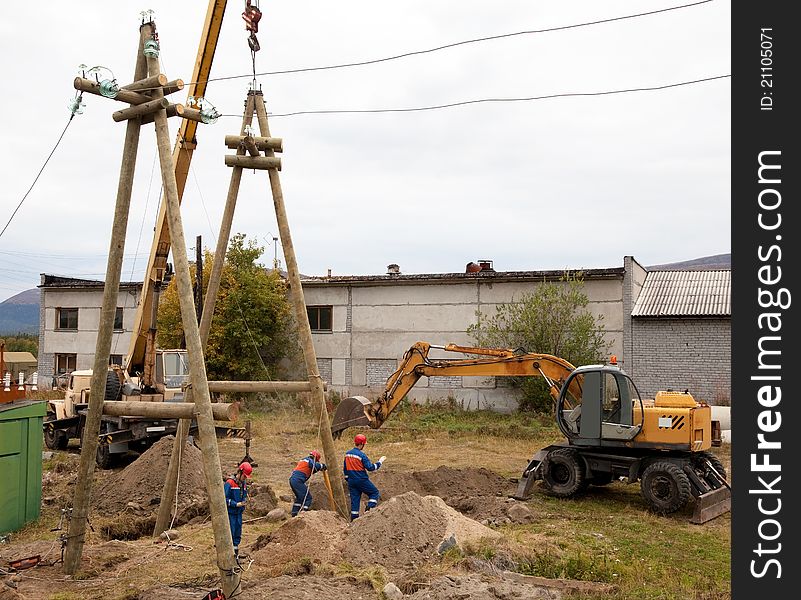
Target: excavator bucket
x,y
349,413
711,504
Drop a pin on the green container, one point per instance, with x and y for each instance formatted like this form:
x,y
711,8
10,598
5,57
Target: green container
x,y
20,463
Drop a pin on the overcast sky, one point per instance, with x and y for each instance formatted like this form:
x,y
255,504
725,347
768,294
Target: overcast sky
x,y
567,182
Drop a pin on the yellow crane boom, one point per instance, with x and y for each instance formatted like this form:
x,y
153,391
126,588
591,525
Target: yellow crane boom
x,y
142,350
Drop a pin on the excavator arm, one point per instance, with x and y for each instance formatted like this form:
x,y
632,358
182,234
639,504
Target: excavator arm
x,y
141,356
359,411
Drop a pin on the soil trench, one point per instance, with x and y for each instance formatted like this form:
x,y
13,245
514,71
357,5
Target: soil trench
x,y
477,493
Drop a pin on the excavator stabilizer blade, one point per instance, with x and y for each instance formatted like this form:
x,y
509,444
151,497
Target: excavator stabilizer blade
x,y
349,413
711,504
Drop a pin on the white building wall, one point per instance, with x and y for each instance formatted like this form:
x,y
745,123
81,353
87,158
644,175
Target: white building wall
x,y
81,342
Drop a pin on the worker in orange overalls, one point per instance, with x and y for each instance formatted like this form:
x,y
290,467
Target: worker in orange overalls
x,y
298,481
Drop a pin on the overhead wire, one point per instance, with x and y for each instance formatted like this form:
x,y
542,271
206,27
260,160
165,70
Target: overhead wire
x,y
490,100
457,44
39,174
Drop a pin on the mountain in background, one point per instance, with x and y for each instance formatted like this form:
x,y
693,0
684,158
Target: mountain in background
x,y
20,313
705,263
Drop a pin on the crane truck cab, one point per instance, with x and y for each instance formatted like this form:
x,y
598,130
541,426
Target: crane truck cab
x,y
66,416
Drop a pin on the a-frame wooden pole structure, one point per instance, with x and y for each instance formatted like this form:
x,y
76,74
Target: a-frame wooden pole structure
x,y
156,105
256,160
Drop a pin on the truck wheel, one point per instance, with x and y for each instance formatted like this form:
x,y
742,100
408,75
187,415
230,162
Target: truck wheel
x,y
665,487
55,439
563,472
113,387
104,458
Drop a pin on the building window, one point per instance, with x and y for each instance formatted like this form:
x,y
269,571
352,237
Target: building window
x,y
118,319
115,359
67,318
320,317
65,363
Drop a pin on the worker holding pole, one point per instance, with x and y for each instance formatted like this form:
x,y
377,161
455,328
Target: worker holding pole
x,y
298,481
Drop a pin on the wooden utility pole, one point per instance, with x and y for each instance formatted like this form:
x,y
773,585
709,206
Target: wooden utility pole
x,y
226,561
301,316
86,467
199,277
181,435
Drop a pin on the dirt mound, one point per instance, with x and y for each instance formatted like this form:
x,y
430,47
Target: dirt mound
x,y
476,587
407,530
478,493
137,488
311,536
136,491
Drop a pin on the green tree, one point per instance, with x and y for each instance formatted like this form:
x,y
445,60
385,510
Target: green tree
x,y
553,319
22,342
252,329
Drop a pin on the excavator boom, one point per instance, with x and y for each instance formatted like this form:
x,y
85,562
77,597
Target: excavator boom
x,y
359,411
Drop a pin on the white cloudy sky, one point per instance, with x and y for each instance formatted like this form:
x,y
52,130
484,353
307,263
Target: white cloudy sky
x,y
571,182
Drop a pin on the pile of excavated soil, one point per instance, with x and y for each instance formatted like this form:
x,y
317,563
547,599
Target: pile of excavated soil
x,y
311,536
137,488
478,493
407,531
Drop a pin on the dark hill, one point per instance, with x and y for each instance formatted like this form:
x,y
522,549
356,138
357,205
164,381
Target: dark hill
x,y
705,263
20,313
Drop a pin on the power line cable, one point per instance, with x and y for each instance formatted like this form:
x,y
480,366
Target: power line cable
x,y
49,156
456,44
489,100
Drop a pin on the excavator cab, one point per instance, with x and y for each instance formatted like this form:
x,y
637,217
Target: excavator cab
x,y
601,408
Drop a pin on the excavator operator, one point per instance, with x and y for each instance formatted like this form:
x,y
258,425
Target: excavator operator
x,y
356,467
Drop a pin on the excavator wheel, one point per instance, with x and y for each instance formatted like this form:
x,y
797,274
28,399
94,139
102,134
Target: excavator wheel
x,y
665,487
563,473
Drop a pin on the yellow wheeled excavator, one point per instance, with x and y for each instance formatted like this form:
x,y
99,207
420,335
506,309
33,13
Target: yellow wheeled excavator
x,y
611,433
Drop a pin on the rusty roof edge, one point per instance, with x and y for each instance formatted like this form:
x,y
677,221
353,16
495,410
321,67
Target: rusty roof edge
x,y
485,276
59,281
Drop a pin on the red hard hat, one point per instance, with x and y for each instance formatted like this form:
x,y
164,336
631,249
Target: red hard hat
x,y
246,469
360,439
315,454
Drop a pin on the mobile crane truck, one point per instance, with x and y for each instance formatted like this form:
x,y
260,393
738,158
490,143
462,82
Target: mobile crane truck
x,y
611,433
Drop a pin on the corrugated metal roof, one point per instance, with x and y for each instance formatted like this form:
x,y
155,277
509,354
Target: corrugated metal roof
x,y
684,293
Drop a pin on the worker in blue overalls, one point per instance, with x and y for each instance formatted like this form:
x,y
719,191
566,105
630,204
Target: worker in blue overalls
x,y
236,495
356,467
305,468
